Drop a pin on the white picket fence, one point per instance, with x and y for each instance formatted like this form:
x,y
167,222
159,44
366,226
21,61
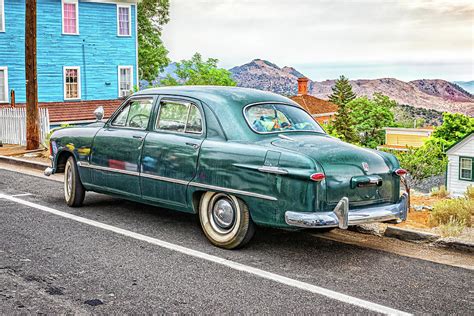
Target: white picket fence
x,y
13,125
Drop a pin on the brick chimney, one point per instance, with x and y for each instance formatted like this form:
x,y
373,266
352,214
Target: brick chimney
x,y
303,86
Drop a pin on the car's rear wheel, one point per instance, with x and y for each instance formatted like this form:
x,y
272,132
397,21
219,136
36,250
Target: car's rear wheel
x,y
74,191
225,220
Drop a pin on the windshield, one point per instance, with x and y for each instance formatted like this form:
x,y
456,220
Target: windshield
x,y
274,118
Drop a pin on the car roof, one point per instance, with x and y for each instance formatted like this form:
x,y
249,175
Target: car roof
x,y
235,96
226,102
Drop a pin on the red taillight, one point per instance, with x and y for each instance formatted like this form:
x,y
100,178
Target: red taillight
x,y
400,172
50,148
319,176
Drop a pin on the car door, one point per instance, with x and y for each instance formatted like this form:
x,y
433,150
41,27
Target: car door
x,y
116,150
170,151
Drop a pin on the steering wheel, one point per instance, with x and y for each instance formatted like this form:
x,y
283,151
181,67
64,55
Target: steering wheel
x,y
138,120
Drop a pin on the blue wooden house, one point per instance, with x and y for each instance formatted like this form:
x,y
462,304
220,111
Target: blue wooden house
x,y
86,51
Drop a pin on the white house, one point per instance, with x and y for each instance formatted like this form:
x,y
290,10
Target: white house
x,y
460,172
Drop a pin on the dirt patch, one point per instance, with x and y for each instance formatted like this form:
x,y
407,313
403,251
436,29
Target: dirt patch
x,y
18,151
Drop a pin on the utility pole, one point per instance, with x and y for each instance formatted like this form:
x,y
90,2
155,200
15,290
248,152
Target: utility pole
x,y
32,111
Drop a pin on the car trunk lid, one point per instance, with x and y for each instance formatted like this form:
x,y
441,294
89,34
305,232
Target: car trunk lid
x,y
360,174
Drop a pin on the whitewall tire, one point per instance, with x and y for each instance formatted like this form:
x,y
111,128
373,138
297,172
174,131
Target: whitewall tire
x,y
74,191
225,220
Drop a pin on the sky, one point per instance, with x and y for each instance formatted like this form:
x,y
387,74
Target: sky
x,y
362,39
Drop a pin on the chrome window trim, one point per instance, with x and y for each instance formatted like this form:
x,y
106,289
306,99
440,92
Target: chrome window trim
x,y
276,132
228,190
124,104
182,102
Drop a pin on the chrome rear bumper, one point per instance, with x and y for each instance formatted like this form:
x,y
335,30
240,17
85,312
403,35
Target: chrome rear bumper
x,y
342,217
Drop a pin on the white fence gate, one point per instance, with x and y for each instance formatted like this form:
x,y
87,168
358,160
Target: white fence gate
x,y
13,125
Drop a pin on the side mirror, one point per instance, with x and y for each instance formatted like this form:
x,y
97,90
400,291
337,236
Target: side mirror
x,y
99,113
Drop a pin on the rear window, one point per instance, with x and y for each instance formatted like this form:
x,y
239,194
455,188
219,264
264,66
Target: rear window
x,y
275,118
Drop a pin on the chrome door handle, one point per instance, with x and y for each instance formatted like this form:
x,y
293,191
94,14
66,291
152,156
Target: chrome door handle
x,y
195,146
137,137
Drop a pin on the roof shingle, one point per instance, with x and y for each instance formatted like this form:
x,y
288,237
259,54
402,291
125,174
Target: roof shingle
x,y
314,105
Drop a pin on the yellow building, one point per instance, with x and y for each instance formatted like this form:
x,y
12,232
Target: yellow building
x,y
402,138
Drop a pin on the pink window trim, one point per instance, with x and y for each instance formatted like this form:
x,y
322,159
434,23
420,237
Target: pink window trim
x,y
69,18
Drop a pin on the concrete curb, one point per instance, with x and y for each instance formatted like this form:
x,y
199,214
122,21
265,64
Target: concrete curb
x,y
416,236
410,235
454,243
23,162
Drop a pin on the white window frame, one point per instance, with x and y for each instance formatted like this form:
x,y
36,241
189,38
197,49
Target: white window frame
x,y
79,86
129,7
5,69
2,13
461,168
119,81
75,2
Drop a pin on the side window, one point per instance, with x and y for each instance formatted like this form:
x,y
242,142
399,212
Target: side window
x,y
194,121
135,114
179,117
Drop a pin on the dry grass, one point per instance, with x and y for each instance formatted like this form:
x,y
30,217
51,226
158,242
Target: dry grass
x,y
452,228
470,192
450,211
440,192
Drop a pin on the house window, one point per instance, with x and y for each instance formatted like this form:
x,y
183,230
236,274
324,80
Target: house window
x,y
465,169
72,83
70,17
3,84
123,20
125,75
2,16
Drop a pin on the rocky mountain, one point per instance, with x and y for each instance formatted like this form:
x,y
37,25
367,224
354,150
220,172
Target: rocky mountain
x,y
436,94
264,75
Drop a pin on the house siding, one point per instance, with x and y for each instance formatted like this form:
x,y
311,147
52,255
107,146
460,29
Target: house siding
x,y
405,140
97,50
456,186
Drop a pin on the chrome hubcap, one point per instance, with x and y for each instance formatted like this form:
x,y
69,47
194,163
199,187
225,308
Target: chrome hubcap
x,y
223,213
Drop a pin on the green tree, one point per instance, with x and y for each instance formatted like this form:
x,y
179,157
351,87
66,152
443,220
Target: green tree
x,y
152,54
423,162
370,116
455,126
196,71
343,125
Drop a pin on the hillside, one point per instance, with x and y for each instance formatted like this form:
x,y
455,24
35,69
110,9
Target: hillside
x,y
439,95
466,85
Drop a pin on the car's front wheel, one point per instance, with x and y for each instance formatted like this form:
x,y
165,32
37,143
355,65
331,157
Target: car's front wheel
x,y
225,220
74,191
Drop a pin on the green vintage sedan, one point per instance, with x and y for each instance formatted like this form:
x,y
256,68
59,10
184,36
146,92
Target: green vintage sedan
x,y
239,158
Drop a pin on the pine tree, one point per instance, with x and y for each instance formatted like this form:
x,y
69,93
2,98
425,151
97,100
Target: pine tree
x,y
343,124
342,92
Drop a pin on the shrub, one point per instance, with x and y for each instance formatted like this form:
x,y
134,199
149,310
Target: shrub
x,y
470,192
452,228
422,162
459,210
440,192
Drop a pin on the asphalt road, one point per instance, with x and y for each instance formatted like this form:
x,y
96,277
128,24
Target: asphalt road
x,y
53,264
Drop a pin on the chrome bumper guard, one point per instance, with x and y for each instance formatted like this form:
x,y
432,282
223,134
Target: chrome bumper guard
x,y
342,217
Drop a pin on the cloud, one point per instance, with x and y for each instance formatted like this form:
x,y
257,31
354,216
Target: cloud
x,y
325,32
